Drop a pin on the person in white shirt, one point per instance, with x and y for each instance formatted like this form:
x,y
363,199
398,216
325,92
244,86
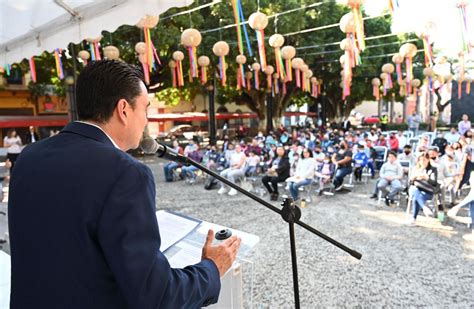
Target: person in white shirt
x,y
402,140
13,142
452,136
236,169
304,173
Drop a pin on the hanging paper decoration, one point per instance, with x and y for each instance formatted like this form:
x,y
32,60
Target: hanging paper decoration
x,y
276,41
203,62
111,52
259,21
288,53
140,48
151,56
239,20
94,44
178,56
241,60
426,34
429,73
467,45
304,68
347,62
358,29
269,72
383,77
256,75
375,88
221,49
172,66
349,44
388,68
59,63
191,38
32,69
314,87
85,56
307,76
297,63
415,83
248,78
398,59
408,51
276,85
468,86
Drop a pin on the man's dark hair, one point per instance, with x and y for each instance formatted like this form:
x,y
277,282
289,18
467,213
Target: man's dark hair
x,y
392,153
102,84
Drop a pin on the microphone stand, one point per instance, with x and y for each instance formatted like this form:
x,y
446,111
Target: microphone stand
x,y
290,213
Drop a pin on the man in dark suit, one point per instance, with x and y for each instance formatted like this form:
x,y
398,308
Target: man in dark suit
x,y
82,223
31,136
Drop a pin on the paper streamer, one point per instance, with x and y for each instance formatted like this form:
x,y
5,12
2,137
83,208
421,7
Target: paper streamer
x,y
33,69
222,71
398,68
279,64
376,92
203,75
193,62
467,46
468,87
261,48
428,51
289,75
459,89
256,79
59,64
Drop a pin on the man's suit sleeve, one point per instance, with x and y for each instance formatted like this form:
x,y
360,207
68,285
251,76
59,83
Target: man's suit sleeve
x,y
129,237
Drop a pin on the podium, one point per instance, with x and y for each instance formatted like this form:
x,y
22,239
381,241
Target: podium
x,y
5,271
182,241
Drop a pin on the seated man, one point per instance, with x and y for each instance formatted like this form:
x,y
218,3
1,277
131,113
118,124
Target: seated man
x,y
408,156
343,159
187,172
236,169
169,167
390,175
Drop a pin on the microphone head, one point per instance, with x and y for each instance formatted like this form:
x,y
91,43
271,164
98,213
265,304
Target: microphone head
x,y
149,145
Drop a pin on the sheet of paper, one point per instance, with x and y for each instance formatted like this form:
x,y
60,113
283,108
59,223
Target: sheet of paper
x,y
174,227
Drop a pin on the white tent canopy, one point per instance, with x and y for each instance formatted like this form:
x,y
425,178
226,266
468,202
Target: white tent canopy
x,y
29,27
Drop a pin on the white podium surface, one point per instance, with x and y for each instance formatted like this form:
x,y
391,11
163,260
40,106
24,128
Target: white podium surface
x,y
188,251
5,276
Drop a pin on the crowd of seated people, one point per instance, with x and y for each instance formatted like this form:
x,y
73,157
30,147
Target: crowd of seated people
x,y
301,156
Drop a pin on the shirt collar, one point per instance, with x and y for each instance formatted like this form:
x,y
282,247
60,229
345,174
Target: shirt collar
x,y
98,127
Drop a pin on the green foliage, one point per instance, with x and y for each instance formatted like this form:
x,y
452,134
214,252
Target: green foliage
x,y
172,96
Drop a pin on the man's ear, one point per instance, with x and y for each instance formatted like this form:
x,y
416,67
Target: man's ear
x,y
121,110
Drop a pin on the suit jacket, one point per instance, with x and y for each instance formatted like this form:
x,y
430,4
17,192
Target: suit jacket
x,y
84,232
28,139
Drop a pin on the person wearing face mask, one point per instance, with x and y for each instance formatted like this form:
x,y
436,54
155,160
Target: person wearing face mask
x,y
360,161
343,159
278,172
390,175
464,125
325,172
407,155
304,173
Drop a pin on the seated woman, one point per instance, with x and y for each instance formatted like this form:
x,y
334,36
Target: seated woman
x,y
304,173
278,172
425,182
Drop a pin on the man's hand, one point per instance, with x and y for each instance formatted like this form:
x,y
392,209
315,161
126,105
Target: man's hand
x,y
223,255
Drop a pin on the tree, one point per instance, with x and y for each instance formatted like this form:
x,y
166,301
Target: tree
x,y
322,57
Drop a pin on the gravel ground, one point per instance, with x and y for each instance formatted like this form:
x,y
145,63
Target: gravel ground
x,y
428,265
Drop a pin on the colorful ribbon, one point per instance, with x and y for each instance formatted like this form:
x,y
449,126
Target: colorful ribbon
x,y
59,64
33,69
203,75
222,71
261,48
279,64
256,79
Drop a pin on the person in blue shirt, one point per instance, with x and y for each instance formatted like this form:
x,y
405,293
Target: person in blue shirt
x,y
360,161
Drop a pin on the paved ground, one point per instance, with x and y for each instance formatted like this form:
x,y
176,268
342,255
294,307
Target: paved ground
x,y
429,265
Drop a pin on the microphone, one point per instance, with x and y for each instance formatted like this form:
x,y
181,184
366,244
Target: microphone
x,y
150,146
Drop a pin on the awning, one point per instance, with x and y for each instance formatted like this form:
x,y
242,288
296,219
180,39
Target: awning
x,y
29,27
36,121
